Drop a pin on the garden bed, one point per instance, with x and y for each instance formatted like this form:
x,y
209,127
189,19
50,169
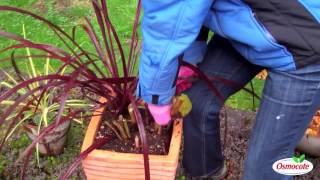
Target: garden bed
x,y
235,151
50,167
239,129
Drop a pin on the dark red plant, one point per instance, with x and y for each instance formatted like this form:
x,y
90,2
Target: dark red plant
x,y
113,80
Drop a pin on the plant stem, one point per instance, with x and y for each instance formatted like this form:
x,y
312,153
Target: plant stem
x,y
148,115
136,142
132,116
158,129
124,123
121,129
126,127
114,130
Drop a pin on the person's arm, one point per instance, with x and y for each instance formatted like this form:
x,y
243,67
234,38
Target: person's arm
x,y
169,27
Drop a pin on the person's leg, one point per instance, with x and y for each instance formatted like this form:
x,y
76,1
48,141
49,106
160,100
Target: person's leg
x,y
202,153
289,101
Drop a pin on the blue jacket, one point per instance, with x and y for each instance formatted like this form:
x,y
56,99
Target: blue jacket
x,y
280,35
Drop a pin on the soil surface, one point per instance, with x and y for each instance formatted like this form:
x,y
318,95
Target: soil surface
x,y
63,4
238,132
239,128
158,143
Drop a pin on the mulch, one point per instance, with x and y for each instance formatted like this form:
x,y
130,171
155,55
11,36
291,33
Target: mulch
x,y
239,127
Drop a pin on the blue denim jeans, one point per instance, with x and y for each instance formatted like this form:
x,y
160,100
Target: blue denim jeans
x,y
289,101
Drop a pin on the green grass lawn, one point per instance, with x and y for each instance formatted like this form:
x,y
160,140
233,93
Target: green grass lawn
x,y
72,14
122,15
243,100
35,30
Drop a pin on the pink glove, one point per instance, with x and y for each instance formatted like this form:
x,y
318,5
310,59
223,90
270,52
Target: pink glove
x,y
184,76
161,114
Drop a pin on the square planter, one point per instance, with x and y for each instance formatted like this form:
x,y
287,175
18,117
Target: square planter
x,y
105,164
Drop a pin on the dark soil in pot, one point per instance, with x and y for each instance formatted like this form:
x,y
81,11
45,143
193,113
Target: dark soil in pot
x,y
158,142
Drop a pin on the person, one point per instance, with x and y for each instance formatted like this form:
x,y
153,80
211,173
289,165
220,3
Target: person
x,y
249,35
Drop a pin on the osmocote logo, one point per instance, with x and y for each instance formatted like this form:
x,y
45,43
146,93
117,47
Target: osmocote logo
x,y
293,166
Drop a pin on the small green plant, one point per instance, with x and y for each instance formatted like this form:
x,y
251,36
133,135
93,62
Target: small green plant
x,y
3,163
43,113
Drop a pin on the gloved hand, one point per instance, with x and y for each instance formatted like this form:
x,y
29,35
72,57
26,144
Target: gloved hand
x,y
161,114
180,107
184,76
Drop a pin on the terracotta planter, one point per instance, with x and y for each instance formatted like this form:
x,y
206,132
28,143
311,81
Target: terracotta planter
x,y
310,142
310,145
104,164
54,142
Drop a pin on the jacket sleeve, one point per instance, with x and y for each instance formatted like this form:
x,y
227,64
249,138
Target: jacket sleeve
x,y
195,52
168,27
